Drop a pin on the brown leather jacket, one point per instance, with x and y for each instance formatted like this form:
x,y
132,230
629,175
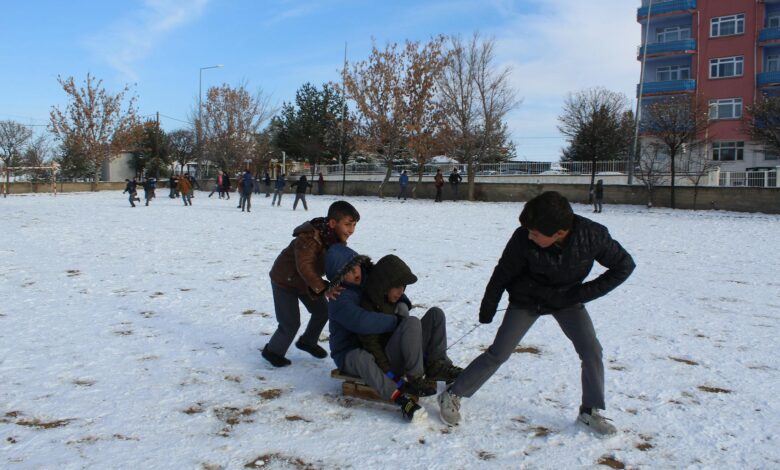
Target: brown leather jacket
x,y
301,265
184,185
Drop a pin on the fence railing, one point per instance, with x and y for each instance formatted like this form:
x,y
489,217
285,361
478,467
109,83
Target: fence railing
x,y
615,167
752,179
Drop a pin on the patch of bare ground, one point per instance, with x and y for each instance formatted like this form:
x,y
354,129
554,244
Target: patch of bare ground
x,y
684,361
277,460
147,314
232,416
540,431
194,409
41,424
73,272
705,388
269,394
123,332
611,462
485,455
156,294
211,466
83,382
297,418
233,378
10,440
527,350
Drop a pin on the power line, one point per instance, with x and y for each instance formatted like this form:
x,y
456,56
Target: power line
x,y
175,119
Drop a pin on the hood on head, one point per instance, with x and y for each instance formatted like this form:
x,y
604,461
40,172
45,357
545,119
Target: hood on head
x,y
390,271
339,260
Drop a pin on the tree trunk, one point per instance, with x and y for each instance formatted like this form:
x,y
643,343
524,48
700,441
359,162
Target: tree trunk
x,y
96,179
672,188
7,181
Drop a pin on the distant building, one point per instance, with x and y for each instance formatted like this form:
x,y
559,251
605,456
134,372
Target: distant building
x,y
724,51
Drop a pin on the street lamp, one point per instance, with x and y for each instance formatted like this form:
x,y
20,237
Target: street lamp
x,y
200,108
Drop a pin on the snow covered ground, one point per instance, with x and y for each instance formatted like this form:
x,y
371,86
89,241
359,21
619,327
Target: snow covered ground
x,y
129,339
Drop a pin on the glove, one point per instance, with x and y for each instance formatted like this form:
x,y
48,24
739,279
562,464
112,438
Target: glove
x,y
401,309
486,317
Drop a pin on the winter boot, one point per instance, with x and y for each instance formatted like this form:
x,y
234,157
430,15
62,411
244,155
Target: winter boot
x,y
594,421
275,359
410,410
442,370
449,407
313,349
420,387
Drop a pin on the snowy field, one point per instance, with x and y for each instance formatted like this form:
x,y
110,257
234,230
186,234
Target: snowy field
x,y
129,338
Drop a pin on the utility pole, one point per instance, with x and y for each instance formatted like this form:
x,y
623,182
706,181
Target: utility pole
x,y
343,118
157,148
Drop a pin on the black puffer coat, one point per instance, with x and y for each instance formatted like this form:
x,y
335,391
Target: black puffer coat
x,y
547,279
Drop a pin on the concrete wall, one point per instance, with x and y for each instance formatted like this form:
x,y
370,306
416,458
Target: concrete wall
x,y
765,200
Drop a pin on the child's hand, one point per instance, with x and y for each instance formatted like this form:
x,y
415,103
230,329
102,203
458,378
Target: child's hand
x,y
333,292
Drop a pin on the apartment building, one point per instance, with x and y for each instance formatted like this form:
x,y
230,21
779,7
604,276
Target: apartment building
x,y
726,52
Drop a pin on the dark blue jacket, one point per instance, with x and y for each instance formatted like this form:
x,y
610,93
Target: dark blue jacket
x,y
347,318
403,180
247,183
280,182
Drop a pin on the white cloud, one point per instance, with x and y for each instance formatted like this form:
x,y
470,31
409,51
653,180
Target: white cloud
x,y
131,39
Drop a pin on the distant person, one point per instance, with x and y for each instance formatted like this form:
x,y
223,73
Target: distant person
x,y
148,186
217,185
598,196
438,181
132,191
455,180
543,269
300,191
172,186
403,183
267,183
194,183
278,190
321,185
226,184
257,183
185,187
247,184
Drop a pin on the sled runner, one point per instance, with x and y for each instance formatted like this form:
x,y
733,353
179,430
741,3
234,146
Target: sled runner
x,y
352,386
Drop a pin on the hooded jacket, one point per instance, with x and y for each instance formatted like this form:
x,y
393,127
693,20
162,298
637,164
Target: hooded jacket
x,y
548,279
347,319
390,271
300,266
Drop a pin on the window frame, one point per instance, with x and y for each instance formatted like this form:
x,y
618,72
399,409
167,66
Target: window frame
x,y
716,106
769,19
673,69
718,62
678,30
737,145
717,23
772,59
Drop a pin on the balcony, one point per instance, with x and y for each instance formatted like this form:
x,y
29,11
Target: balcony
x,y
672,86
769,34
683,46
768,79
666,7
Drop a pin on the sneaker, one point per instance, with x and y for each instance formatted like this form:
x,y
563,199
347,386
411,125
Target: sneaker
x,y
410,409
420,387
594,421
275,359
313,349
449,407
442,371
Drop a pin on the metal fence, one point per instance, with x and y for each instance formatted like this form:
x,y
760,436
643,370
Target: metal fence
x,y
614,167
752,179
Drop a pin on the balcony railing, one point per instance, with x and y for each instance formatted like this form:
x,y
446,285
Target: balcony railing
x,y
682,45
769,34
768,78
666,7
672,86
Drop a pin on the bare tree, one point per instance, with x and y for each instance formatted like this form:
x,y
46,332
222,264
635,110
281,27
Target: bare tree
x,y
698,165
476,97
762,121
375,85
598,126
676,122
94,121
37,154
182,145
231,119
652,171
13,138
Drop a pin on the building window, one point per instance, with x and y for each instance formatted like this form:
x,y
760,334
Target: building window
x,y
726,67
675,33
772,63
770,156
730,108
672,72
727,25
773,22
728,151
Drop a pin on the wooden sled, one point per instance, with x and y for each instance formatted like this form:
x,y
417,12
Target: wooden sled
x,y
352,386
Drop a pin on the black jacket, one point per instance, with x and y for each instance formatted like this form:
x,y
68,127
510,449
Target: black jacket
x,y
548,279
301,185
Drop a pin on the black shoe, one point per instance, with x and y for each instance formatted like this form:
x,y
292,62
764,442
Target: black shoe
x,y
313,349
420,387
410,410
275,359
442,370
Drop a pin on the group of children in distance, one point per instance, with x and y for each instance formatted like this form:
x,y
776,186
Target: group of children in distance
x,y
372,335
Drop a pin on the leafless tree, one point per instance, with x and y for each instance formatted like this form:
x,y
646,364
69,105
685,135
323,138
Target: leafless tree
x,y
232,117
13,138
94,120
676,122
38,153
476,97
697,165
652,169
762,121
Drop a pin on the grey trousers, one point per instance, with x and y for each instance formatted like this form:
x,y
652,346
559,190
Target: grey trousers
x,y
300,197
576,325
415,343
278,193
288,315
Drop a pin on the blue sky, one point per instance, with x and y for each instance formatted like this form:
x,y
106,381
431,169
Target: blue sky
x,y
553,46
